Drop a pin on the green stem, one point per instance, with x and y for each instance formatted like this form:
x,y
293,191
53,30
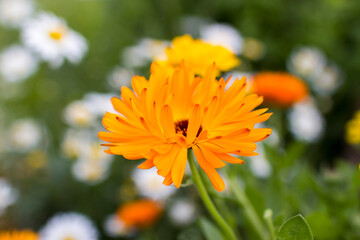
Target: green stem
x,y
229,233
249,210
268,219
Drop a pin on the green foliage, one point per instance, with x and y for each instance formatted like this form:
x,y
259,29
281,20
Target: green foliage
x,y
210,231
191,233
321,224
318,180
295,228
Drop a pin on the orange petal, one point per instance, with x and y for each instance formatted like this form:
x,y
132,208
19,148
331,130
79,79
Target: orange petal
x,y
245,153
165,162
132,156
232,145
138,84
211,158
108,151
167,121
168,181
178,168
258,134
230,159
214,177
194,124
147,164
211,112
122,108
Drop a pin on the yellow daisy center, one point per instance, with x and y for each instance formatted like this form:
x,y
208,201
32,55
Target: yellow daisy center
x,y
57,34
69,238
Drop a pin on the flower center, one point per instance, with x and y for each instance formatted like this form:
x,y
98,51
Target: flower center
x,y
182,126
58,32
56,35
69,238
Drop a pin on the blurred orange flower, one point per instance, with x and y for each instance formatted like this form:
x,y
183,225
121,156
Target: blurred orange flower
x,y
167,115
199,55
18,235
139,214
279,88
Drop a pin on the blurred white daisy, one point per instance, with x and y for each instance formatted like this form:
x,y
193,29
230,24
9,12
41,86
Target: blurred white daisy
x,y
8,195
51,38
99,103
92,163
14,12
306,61
306,122
327,80
25,134
72,226
73,142
91,171
84,112
78,114
17,63
144,52
120,77
150,184
183,212
259,165
223,35
114,227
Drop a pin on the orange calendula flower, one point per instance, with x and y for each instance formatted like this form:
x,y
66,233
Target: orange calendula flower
x,y
139,214
279,88
167,115
199,55
18,235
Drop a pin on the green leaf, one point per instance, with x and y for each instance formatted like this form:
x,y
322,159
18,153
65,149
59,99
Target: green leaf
x,y
210,230
295,228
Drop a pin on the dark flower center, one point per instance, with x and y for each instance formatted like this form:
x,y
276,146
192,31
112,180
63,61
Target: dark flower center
x,y
182,126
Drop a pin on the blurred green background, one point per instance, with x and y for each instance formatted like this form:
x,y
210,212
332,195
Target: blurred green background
x,y
327,177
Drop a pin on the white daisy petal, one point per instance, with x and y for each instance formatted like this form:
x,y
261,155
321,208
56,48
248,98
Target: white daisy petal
x,y
72,226
120,77
14,12
17,63
223,35
8,195
150,184
306,122
114,227
51,38
306,61
25,135
182,212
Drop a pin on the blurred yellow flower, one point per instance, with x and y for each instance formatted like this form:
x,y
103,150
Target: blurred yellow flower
x,y
36,159
139,214
167,115
279,88
199,55
353,129
18,235
253,49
